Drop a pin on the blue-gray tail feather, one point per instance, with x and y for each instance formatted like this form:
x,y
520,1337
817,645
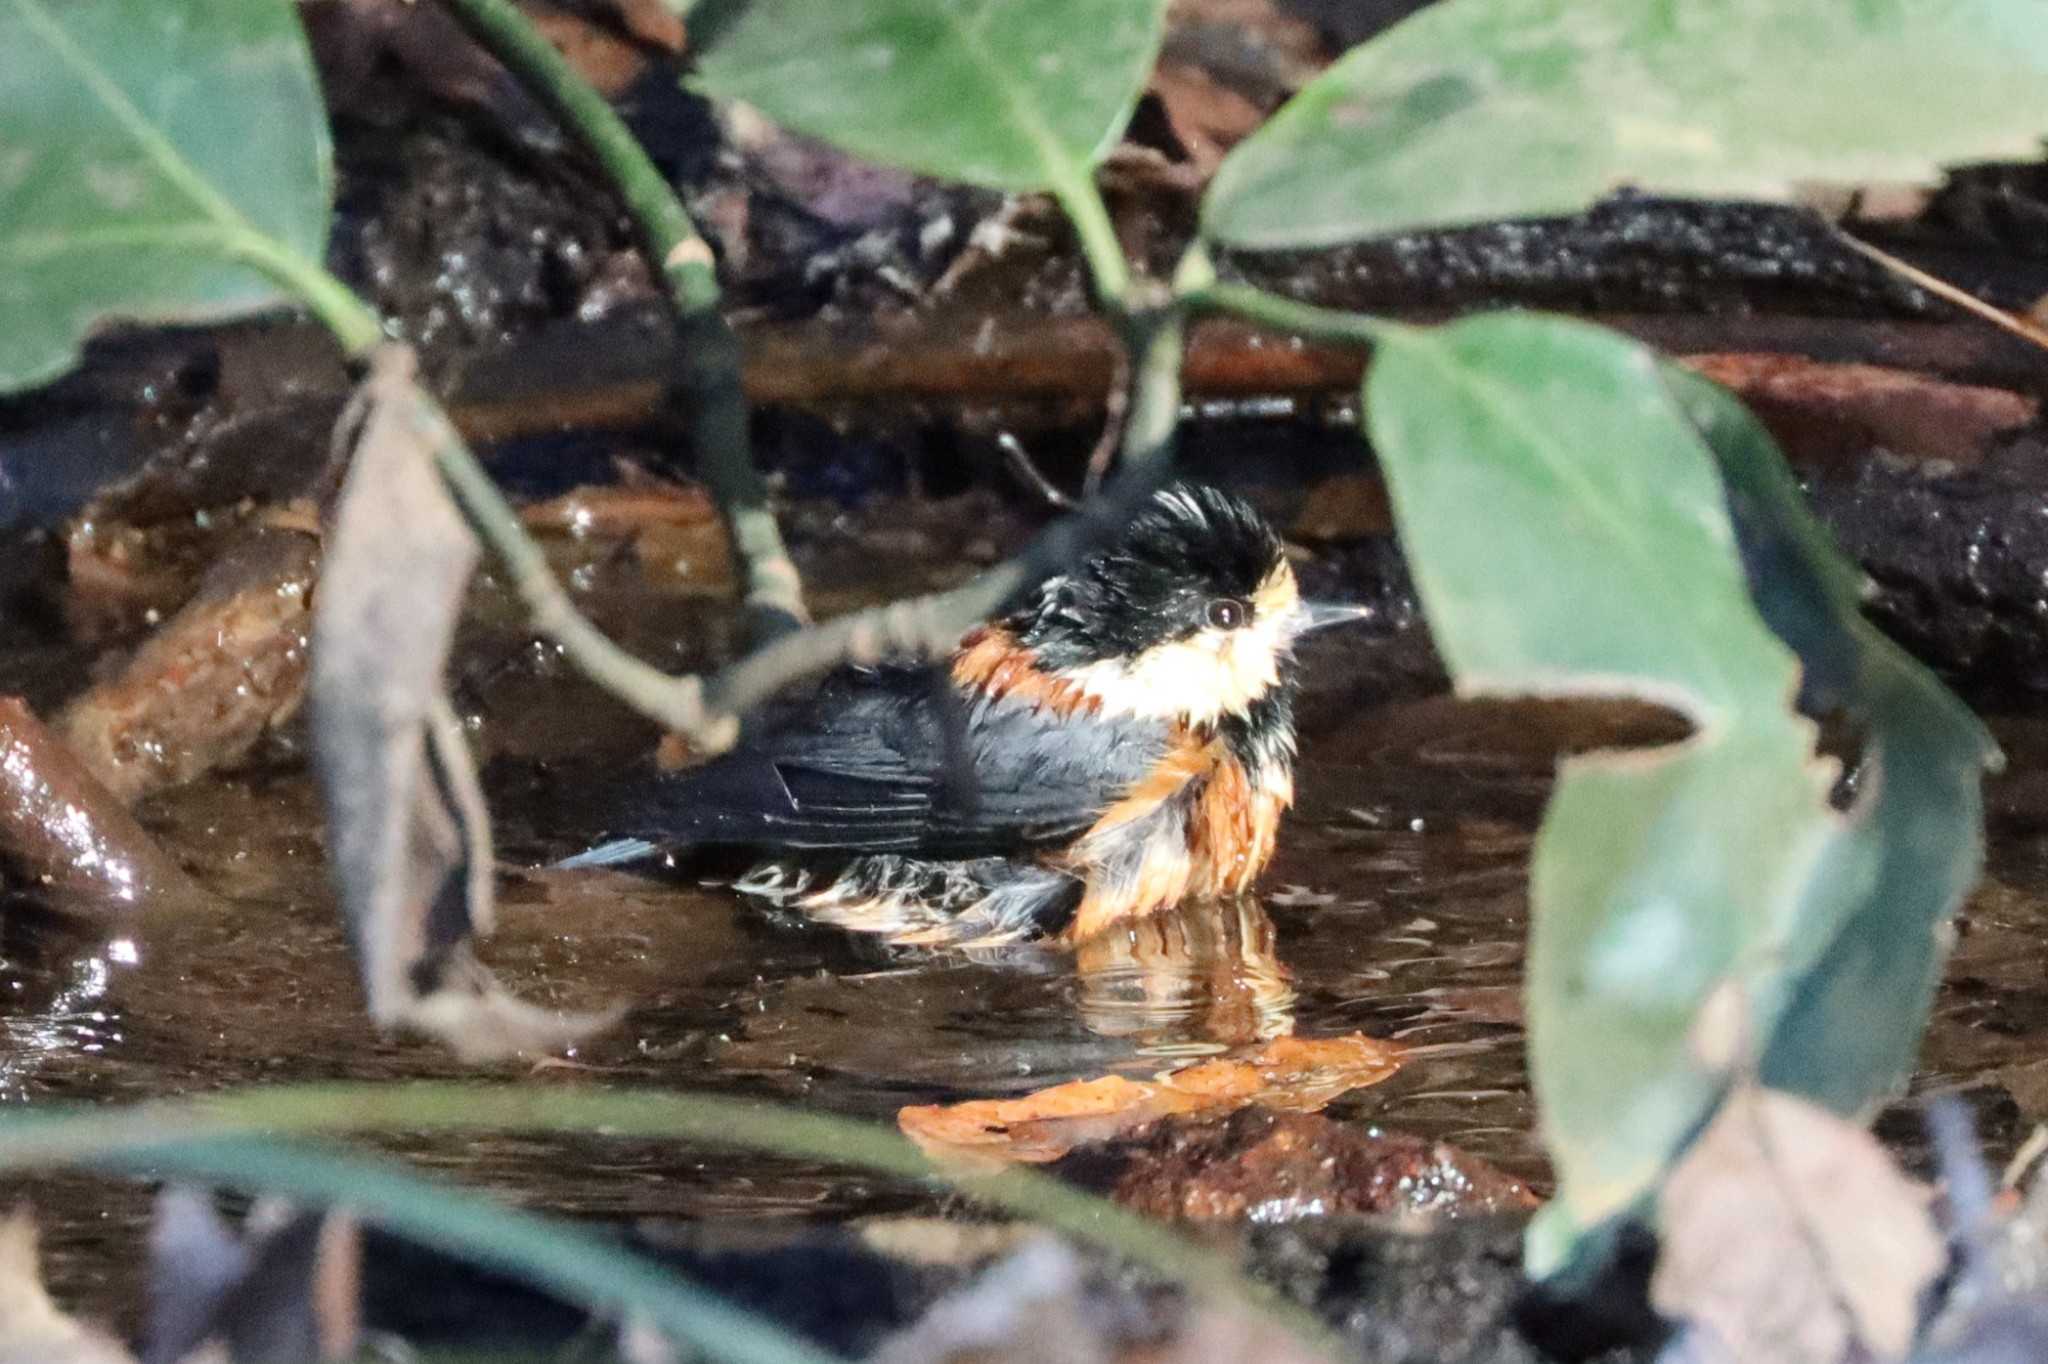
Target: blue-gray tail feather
x,y
615,853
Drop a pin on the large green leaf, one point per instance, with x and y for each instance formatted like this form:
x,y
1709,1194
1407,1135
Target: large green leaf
x,y
1607,562
145,149
1478,109
1013,94
1857,987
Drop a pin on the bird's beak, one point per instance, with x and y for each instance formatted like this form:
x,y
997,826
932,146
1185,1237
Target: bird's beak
x,y
1315,615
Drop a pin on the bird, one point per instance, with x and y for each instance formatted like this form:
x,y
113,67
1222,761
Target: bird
x,y
1119,741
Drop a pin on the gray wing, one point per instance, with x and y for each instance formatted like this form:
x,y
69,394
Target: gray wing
x,y
894,760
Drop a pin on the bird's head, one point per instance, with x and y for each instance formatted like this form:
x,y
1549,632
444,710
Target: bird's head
x,y
1190,614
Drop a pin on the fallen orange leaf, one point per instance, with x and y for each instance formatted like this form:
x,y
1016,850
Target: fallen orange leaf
x,y
1293,1073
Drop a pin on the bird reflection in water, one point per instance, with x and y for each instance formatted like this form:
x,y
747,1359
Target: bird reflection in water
x,y
1196,980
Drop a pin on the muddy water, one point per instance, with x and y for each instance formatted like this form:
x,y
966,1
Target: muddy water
x,y
1396,906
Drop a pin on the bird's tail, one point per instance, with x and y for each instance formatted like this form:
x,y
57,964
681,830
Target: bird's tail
x,y
583,814
618,852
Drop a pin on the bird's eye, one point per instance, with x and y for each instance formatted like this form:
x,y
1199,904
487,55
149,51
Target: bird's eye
x,y
1227,613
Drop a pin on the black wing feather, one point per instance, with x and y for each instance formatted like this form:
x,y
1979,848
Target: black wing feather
x,y
895,760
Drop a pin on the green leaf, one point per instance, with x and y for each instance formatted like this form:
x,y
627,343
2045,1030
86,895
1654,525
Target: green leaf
x,y
1481,109
148,153
1606,562
1013,94
1860,980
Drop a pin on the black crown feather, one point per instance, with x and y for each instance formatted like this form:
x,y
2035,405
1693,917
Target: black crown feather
x,y
1190,545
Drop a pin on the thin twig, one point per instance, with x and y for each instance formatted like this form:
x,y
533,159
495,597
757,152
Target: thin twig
x,y
708,378
1116,405
2026,1158
927,627
1030,474
707,713
676,703
1949,293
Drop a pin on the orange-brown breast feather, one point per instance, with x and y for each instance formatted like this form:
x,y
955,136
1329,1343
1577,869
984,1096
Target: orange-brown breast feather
x,y
1165,868
1162,880
1232,827
1235,825
993,663
1187,760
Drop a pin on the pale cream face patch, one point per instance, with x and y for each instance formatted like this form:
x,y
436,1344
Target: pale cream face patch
x,y
1211,673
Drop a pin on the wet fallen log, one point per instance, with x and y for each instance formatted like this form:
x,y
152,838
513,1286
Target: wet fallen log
x,y
612,378
67,843
202,690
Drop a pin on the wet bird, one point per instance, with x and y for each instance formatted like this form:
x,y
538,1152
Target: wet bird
x,y
1121,741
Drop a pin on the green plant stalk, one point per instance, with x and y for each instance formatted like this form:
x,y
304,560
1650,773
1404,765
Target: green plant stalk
x,y
1287,315
709,380
675,703
1160,343
551,1254
924,627
1096,233
354,324
140,1133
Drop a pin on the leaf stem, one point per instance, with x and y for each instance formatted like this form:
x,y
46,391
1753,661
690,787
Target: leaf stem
x,y
1096,232
676,703
354,324
548,1252
708,381
1287,315
929,626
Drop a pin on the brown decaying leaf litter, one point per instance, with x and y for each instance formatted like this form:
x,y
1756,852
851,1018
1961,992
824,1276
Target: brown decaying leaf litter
x,y
1292,1073
33,1329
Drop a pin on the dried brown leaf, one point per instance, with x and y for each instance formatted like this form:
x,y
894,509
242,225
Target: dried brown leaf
x,y
1788,1234
284,1289
1290,1073
1207,116
410,838
33,1329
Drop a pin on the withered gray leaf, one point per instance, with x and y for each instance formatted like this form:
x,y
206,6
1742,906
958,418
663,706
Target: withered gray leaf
x,y
285,1289
1788,1234
409,837
195,1261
